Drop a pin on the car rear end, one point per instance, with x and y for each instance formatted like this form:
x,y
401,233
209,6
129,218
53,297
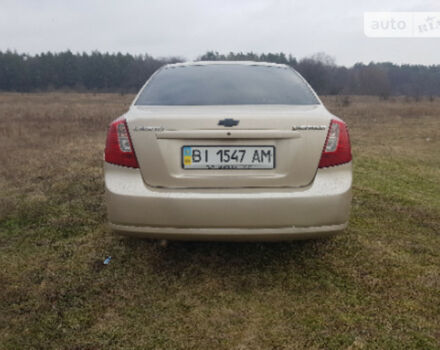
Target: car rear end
x,y
233,171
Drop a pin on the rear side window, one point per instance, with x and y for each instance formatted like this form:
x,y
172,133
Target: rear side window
x,y
226,84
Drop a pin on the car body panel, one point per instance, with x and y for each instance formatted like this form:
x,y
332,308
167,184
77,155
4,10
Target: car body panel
x,y
158,134
138,208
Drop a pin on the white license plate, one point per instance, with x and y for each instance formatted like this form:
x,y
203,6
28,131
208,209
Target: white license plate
x,y
228,157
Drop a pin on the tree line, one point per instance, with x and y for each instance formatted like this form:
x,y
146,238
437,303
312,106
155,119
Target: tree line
x,y
126,73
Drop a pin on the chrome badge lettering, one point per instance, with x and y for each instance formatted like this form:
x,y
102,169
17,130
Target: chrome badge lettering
x,y
149,128
309,127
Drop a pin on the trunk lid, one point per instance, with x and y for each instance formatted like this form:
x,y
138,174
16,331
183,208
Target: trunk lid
x,y
159,133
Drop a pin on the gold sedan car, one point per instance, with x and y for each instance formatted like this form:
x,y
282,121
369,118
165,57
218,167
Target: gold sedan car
x,y
228,151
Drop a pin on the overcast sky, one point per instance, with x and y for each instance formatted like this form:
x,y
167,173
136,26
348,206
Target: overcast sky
x,y
189,28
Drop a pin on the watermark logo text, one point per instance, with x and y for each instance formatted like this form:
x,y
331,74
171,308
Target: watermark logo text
x,y
402,24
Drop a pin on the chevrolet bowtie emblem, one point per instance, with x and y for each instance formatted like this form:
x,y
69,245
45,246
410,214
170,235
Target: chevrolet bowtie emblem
x,y
228,122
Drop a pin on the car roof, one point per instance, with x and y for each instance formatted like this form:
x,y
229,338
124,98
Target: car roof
x,y
207,63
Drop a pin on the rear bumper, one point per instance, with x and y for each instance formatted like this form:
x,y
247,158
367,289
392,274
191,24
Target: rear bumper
x,y
228,214
230,234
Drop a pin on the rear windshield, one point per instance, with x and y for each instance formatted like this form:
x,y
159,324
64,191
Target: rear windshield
x,y
226,84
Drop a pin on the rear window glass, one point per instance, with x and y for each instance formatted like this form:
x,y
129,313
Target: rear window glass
x,y
226,84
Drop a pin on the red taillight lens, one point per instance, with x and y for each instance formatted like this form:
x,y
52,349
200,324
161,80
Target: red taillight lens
x,y
119,149
337,149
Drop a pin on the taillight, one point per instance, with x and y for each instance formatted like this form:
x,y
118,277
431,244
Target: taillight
x,y
119,149
337,149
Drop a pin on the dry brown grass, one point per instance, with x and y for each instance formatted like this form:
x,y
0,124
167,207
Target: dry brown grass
x,y
376,286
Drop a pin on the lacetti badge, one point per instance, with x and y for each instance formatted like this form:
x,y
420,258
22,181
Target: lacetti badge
x,y
309,127
149,128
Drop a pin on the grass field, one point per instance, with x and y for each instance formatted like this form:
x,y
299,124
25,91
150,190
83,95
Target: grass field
x,y
375,286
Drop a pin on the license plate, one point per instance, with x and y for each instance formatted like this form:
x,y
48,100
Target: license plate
x,y
228,157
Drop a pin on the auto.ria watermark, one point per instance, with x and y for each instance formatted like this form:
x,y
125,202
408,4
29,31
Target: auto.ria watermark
x,y
402,24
